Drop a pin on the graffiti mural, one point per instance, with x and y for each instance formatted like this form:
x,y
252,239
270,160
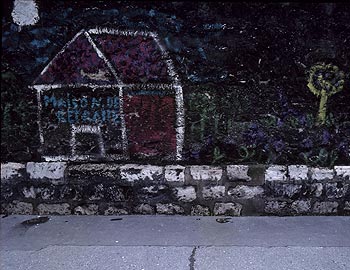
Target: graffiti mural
x,y
204,83
110,94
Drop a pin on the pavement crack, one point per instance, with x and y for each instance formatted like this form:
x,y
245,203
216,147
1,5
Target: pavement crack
x,y
192,259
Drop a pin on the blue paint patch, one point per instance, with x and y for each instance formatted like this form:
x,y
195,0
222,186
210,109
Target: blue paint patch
x,y
213,26
66,12
112,12
202,53
73,116
14,27
84,110
147,93
45,30
40,43
41,60
178,27
194,78
35,31
174,46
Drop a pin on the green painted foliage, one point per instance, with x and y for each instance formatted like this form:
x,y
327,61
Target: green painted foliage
x,y
324,81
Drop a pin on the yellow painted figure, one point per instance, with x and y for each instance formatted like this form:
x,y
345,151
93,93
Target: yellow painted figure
x,y
324,81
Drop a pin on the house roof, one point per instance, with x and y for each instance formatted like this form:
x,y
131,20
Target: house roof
x,y
108,57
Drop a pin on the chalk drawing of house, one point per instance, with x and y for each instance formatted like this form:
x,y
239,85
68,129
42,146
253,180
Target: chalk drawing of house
x,y
110,94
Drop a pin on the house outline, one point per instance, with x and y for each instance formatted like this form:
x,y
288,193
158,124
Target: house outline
x,y
175,85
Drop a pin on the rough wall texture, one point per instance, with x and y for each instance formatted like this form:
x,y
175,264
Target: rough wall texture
x,y
97,188
189,89
244,70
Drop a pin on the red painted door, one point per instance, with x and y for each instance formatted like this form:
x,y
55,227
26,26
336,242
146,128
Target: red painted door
x,y
150,124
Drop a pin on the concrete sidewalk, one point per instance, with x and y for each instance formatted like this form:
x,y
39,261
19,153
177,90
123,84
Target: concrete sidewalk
x,y
176,242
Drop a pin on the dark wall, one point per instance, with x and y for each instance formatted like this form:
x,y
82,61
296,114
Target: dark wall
x,y
244,69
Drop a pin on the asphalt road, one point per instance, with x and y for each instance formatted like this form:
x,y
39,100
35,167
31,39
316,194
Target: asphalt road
x,y
175,242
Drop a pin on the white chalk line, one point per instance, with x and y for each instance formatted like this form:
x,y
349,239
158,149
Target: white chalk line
x,y
103,30
80,157
180,119
41,134
157,86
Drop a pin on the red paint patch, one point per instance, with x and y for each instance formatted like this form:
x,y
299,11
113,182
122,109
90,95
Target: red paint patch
x,y
150,122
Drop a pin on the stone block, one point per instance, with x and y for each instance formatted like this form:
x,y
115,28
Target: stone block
x,y
245,192
298,172
316,189
153,194
213,192
144,209
112,210
175,174
114,194
342,171
285,190
336,190
53,171
141,173
6,192
91,209
93,172
54,209
154,189
206,173
257,174
11,171
227,209
96,192
347,206
238,173
18,208
301,206
276,207
32,192
48,194
169,209
199,210
325,207
276,173
107,192
185,194
321,174
72,192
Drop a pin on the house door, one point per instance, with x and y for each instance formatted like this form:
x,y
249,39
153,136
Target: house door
x,y
150,124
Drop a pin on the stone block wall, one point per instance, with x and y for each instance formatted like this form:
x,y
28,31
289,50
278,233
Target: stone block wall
x,y
63,188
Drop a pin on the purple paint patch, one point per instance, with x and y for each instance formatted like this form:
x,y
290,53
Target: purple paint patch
x,y
136,59
79,63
